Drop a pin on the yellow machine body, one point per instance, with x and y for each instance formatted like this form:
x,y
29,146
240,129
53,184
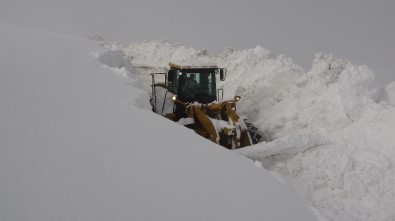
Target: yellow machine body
x,y
214,120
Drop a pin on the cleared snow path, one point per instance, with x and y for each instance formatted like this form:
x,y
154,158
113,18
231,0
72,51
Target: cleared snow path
x,y
332,128
77,143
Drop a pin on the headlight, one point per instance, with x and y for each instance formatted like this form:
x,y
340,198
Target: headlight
x,y
237,98
174,98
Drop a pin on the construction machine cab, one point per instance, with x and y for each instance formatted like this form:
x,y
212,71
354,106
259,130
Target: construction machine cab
x,y
193,84
192,89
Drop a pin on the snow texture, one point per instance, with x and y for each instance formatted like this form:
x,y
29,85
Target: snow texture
x,y
330,130
390,93
78,142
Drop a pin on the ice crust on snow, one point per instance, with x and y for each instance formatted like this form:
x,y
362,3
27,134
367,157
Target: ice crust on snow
x,y
330,129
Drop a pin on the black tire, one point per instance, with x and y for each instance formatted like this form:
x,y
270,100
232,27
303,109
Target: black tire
x,y
255,135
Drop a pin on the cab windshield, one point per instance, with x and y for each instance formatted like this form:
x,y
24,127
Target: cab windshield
x,y
197,85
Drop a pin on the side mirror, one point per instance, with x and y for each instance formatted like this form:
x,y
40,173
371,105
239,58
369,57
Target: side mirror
x,y
222,74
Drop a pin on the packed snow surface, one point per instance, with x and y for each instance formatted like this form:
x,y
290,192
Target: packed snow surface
x,y
330,130
78,142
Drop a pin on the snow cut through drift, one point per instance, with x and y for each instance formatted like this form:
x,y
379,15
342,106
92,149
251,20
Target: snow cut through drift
x,y
331,127
76,145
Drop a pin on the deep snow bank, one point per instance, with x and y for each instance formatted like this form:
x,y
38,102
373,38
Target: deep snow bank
x,y
74,146
331,127
339,103
116,60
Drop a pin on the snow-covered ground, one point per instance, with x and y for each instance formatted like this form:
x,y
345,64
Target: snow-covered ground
x,y
331,129
78,142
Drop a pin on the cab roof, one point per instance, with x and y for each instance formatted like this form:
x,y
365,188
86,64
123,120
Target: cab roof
x,y
191,65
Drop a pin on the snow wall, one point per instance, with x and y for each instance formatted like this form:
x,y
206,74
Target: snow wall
x,y
330,129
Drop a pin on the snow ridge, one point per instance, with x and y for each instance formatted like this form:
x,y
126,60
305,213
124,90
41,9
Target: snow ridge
x,y
331,128
73,147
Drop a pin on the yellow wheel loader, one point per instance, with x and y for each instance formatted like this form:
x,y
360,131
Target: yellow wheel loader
x,y
188,95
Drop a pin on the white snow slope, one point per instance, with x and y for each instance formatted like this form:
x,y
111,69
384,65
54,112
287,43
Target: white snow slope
x,y
78,142
330,130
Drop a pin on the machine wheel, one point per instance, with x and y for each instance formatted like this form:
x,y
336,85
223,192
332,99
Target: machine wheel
x,y
255,135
